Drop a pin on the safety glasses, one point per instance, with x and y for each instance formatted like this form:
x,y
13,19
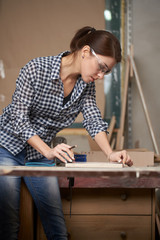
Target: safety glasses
x,y
102,66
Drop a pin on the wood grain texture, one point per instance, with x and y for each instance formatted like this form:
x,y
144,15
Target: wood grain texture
x,y
93,165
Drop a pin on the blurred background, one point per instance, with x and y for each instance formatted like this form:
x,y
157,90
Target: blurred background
x,y
34,28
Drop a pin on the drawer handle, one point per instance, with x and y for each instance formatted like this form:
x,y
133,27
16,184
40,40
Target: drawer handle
x,y
124,196
123,235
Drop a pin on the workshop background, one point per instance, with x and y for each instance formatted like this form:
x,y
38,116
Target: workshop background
x,y
34,28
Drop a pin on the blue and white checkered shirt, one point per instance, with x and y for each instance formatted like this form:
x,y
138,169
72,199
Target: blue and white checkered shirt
x,y
37,107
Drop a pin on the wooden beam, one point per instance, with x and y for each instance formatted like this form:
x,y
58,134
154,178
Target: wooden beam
x,y
119,144
111,127
131,54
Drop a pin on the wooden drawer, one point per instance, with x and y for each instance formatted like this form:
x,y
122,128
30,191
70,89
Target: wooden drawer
x,y
108,201
104,227
109,227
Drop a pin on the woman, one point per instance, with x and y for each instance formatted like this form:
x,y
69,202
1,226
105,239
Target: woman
x,y
50,93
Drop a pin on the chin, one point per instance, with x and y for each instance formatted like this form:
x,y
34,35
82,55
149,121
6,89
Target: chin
x,y
86,80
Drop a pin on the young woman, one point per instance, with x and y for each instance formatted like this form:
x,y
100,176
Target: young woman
x,y
50,92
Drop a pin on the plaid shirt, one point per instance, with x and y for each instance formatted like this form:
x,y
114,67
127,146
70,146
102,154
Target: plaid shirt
x,y
37,107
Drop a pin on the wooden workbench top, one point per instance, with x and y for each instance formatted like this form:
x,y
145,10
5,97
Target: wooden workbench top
x,y
128,177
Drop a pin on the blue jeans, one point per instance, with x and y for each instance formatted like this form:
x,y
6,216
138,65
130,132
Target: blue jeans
x,y
46,195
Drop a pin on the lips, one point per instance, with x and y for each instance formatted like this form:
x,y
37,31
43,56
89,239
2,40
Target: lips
x,y
92,79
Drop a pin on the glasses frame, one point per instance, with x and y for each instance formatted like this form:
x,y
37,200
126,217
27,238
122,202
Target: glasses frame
x,y
102,66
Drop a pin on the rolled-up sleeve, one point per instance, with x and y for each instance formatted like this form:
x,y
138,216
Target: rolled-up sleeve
x,y
93,121
22,103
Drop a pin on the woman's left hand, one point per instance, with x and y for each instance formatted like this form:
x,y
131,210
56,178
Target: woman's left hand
x,y
121,157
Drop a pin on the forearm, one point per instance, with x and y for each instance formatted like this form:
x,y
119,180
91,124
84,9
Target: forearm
x,y
120,156
61,151
37,143
102,140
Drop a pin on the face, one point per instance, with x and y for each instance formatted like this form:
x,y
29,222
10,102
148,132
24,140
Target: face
x,y
95,66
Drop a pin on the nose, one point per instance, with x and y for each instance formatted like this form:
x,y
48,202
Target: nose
x,y
100,75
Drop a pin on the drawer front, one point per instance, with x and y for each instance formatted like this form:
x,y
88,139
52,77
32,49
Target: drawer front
x,y
104,227
108,201
109,227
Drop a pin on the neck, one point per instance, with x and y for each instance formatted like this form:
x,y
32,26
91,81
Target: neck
x,y
70,68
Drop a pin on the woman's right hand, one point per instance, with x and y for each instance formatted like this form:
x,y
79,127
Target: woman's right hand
x,y
62,152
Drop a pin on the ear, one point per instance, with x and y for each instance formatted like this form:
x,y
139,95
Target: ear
x,y
85,51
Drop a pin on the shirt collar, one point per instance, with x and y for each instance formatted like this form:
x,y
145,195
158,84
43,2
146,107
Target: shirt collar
x,y
77,91
56,65
55,74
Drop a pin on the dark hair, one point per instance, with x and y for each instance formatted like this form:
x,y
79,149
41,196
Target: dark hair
x,y
102,42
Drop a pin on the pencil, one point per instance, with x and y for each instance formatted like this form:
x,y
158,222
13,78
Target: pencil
x,y
74,146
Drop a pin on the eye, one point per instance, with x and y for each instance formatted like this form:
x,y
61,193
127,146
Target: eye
x,y
107,72
102,68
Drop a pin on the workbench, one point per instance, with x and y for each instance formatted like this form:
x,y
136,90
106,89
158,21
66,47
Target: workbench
x,y
107,203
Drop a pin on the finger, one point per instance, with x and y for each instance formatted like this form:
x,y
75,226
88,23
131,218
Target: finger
x,y
65,147
129,162
67,150
70,154
60,152
115,157
61,158
124,156
62,146
65,155
70,151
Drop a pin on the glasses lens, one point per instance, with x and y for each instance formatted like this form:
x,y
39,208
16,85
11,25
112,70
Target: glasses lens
x,y
103,68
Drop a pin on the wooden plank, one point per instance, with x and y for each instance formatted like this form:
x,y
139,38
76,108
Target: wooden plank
x,y
113,143
131,53
137,177
93,165
123,110
121,144
111,127
151,171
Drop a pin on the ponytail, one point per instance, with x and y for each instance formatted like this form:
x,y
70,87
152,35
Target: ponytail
x,y
80,34
102,42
